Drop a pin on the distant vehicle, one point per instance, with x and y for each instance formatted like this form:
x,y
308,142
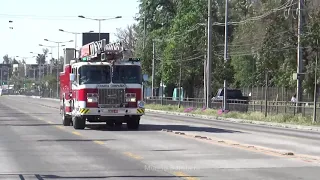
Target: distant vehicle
x,y
234,96
103,85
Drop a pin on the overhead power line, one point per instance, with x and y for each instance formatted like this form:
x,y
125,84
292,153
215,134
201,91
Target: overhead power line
x,y
41,17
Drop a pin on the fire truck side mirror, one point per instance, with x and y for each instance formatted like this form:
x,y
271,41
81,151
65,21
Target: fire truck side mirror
x,y
72,77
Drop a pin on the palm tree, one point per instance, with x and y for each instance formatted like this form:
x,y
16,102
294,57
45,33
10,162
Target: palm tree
x,y
6,59
41,58
14,61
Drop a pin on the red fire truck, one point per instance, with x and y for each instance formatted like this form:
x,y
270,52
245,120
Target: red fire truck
x,y
104,84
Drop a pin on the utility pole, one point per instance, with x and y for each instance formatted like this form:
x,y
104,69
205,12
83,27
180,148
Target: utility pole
x,y
225,106
315,91
1,77
180,77
209,52
153,64
40,78
266,94
205,73
299,56
58,58
162,93
144,31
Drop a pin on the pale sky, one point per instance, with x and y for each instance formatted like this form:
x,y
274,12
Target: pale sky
x,y
36,20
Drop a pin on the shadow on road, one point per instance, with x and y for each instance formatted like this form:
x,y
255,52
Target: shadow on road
x,y
76,140
30,124
168,150
49,176
42,177
153,127
15,114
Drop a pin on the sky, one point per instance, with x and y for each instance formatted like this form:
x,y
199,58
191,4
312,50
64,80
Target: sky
x,y
36,20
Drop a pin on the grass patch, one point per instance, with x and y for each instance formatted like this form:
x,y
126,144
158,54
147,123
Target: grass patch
x,y
255,116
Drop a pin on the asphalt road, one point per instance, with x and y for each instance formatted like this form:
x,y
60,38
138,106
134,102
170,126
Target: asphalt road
x,y
34,145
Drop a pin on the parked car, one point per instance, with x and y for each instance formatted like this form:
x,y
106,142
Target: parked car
x,y
235,100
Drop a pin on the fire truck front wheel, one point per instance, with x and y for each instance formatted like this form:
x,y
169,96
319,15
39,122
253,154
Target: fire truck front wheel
x,y
66,119
133,122
79,122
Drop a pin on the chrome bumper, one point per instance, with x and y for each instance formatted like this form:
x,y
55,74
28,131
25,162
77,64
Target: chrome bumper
x,y
111,111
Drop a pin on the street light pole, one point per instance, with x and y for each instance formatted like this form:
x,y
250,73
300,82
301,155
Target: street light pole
x,y
58,43
83,17
75,36
99,28
75,41
58,69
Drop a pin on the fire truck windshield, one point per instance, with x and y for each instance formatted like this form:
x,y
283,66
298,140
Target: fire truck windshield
x,y
94,74
126,74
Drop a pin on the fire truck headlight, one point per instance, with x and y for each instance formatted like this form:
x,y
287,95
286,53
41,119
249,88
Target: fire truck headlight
x,y
92,97
131,97
140,104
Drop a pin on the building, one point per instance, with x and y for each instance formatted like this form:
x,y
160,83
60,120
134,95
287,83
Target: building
x,y
18,70
5,71
29,71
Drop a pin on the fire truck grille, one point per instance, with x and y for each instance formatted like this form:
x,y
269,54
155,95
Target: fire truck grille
x,y
111,96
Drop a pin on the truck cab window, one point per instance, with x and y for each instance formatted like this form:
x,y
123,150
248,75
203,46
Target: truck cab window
x,y
126,74
94,74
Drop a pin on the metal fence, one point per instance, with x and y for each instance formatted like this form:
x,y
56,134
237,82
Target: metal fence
x,y
258,93
253,105
268,107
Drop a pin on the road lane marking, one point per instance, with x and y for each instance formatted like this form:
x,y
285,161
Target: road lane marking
x,y
76,133
60,127
49,122
184,176
99,142
129,154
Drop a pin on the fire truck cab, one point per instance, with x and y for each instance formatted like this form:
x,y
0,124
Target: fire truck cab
x,y
104,84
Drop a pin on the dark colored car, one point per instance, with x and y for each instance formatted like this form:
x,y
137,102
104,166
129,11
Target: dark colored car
x,y
235,100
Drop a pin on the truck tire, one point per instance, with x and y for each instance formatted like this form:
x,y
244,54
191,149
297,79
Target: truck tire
x,y
133,122
79,122
66,119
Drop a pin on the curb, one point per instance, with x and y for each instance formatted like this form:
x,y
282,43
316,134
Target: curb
x,y
243,121
216,118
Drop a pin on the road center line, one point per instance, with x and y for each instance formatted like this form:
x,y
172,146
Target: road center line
x,y
99,142
76,133
184,176
129,154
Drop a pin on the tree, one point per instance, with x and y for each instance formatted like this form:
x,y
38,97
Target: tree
x,y
6,59
41,58
127,36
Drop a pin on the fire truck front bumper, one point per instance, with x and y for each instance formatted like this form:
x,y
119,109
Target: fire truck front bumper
x,y
111,111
